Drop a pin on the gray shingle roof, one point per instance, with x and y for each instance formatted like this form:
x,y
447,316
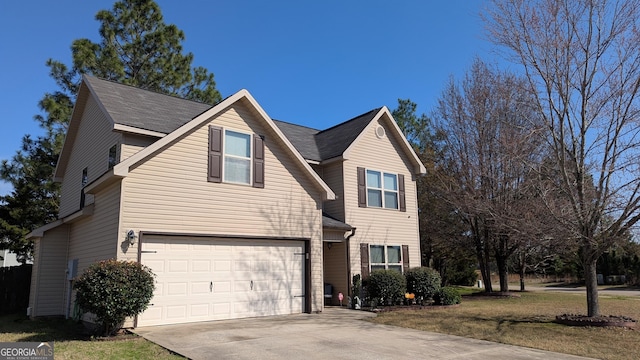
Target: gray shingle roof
x,y
326,144
332,223
302,138
148,110
144,109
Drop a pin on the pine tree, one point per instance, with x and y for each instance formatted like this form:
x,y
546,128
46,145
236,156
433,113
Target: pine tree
x,y
136,48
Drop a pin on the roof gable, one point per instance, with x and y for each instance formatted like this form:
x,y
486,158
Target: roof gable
x,y
122,169
385,115
338,140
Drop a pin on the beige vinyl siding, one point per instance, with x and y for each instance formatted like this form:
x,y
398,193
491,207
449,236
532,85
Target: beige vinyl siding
x,y
95,238
375,225
48,276
131,144
170,193
332,175
335,266
91,151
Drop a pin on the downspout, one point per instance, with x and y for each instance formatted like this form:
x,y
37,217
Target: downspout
x,y
68,275
348,247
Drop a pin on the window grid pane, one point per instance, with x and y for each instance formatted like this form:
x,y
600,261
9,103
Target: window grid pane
x,y
390,200
237,170
237,144
374,197
393,254
373,179
390,182
377,254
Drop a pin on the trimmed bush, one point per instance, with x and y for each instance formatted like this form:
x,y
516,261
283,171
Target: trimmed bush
x,y
386,287
114,290
447,296
423,282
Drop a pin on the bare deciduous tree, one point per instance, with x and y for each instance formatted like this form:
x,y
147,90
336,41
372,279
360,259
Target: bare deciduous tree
x,y
488,122
582,60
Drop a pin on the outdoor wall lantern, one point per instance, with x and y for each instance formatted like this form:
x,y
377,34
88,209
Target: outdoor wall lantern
x,y
131,236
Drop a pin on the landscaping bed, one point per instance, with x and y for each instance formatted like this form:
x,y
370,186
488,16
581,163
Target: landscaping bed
x,y
529,320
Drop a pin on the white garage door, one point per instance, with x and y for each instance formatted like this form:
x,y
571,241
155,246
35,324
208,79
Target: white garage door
x,y
201,279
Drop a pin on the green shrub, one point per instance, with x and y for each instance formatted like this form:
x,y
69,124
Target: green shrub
x,y
113,290
447,296
464,276
386,287
423,282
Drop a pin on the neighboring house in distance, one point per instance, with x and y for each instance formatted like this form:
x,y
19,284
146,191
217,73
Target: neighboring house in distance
x,y
7,258
238,215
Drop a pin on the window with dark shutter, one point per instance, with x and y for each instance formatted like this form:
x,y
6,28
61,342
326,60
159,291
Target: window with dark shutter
x,y
364,260
215,154
258,161
401,193
362,188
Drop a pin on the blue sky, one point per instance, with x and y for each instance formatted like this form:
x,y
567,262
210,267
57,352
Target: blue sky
x,y
311,63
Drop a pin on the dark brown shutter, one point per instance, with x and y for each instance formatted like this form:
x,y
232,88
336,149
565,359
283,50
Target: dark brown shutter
x,y
364,260
258,161
215,154
362,188
401,197
405,258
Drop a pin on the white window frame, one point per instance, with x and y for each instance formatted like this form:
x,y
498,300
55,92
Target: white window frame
x,y
382,189
225,156
386,262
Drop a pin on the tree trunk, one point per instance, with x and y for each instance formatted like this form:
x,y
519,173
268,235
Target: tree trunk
x,y
591,281
522,266
485,269
503,273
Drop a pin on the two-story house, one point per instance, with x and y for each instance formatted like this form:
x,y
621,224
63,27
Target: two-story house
x,y
237,214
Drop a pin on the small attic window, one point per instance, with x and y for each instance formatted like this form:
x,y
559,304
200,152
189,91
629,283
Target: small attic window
x,y
380,133
113,156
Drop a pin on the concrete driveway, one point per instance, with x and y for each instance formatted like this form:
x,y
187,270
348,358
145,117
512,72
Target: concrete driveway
x,y
334,334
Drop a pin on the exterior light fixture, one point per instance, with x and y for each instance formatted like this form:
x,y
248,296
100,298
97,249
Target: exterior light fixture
x,y
131,236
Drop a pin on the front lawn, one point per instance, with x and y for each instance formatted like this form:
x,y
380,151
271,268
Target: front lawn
x,y
528,321
71,341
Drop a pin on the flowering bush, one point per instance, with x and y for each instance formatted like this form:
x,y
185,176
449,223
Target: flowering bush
x,y
113,290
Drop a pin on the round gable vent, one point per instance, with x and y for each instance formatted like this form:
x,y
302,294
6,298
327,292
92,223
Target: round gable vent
x,y
380,131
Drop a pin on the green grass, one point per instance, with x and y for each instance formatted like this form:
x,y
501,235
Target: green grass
x,y
72,342
528,321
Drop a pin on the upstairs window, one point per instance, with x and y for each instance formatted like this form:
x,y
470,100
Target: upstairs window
x,y
83,183
113,156
382,189
379,189
237,157
85,176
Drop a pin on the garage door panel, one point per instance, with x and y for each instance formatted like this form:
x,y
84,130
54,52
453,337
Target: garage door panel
x,y
200,279
200,265
200,310
200,287
220,287
222,265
